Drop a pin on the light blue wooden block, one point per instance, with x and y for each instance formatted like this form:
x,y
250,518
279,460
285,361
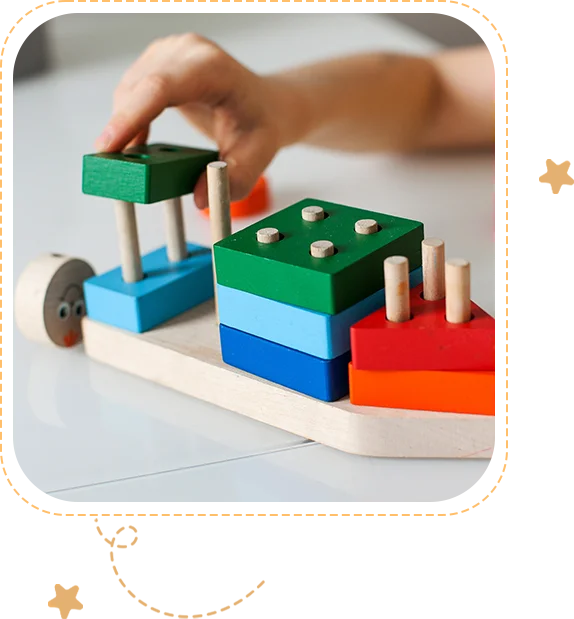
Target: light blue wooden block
x,y
321,335
167,289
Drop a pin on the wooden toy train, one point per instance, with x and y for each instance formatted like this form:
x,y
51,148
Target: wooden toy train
x,y
339,324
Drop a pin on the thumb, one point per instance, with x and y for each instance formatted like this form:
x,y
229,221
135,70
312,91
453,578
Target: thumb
x,y
246,161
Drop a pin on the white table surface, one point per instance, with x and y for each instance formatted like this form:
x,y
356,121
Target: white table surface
x,y
143,442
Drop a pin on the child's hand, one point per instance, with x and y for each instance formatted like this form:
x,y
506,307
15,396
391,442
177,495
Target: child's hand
x,y
369,102
245,114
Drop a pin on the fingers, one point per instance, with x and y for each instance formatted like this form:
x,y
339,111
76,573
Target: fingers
x,y
217,94
141,138
176,71
200,193
246,161
134,113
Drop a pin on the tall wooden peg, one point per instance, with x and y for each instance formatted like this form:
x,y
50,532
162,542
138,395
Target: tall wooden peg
x,y
129,242
433,269
219,208
219,202
175,232
396,269
457,277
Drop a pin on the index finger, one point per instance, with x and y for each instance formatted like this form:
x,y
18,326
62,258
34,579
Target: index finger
x,y
134,112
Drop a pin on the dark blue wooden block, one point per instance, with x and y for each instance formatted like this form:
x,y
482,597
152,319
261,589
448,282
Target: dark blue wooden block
x,y
324,379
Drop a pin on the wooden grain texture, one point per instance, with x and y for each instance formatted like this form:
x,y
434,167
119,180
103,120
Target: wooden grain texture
x,y
184,354
398,308
457,284
433,269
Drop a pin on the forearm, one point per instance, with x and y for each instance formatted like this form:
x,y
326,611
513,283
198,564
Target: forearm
x,y
383,102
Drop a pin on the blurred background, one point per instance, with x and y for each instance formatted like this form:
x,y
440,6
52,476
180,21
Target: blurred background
x,y
63,39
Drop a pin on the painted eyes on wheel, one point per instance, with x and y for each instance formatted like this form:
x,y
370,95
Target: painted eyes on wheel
x,y
79,308
65,310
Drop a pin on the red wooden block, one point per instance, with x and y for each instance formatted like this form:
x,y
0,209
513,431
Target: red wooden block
x,y
426,342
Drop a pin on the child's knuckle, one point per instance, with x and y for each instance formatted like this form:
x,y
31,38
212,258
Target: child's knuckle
x,y
156,83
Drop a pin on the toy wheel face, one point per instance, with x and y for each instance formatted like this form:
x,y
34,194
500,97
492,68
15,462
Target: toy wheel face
x,y
50,299
64,303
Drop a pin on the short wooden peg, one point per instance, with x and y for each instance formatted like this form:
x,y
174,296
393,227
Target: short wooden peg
x,y
366,226
129,242
433,269
457,277
396,270
313,213
176,246
268,235
322,249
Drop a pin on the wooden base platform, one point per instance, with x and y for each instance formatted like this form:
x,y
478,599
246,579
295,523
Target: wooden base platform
x,y
184,354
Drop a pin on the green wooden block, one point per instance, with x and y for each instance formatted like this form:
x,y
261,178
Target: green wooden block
x,y
145,174
285,271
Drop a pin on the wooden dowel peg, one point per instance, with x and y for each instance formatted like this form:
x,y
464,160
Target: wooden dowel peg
x,y
129,243
457,277
396,270
322,249
219,202
313,213
433,269
366,226
174,229
219,209
268,235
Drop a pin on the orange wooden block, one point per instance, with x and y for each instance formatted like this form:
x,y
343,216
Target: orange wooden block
x,y
258,201
445,392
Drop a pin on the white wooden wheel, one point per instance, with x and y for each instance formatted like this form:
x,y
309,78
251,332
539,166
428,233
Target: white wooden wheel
x,y
49,300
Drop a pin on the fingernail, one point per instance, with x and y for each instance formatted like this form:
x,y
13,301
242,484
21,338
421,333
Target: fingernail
x,y
104,140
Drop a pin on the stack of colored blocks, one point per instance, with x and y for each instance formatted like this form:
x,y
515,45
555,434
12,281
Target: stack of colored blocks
x,y
285,314
424,363
165,287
